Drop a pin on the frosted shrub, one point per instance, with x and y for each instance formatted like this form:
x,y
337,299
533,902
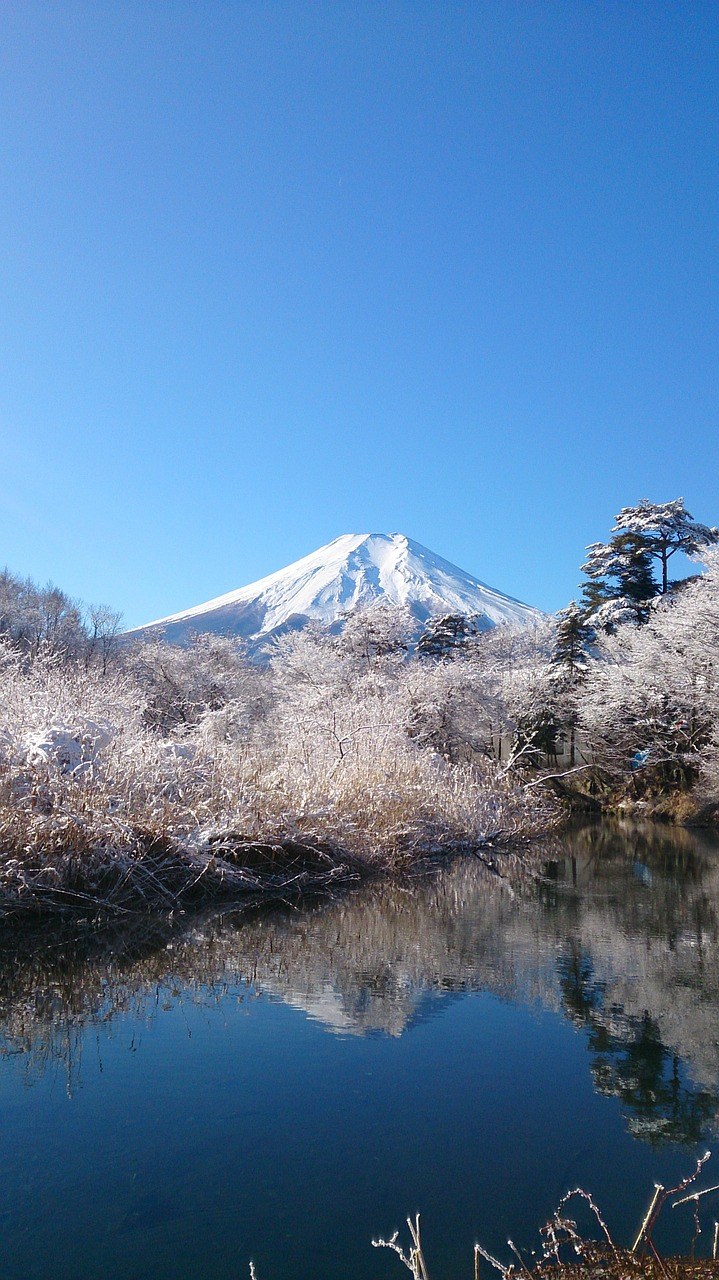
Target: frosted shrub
x,y
354,753
59,716
64,748
182,684
654,690
111,794
74,747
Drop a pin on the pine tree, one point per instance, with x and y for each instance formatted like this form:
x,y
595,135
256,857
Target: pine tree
x,y
447,636
595,594
625,560
663,529
572,639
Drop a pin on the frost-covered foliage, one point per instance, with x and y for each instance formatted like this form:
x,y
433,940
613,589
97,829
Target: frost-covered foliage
x,y
39,620
651,699
182,685
620,585
645,696
32,617
395,751
378,631
620,582
641,694
177,767
530,695
150,771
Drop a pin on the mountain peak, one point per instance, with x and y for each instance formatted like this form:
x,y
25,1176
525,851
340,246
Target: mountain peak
x,y
349,573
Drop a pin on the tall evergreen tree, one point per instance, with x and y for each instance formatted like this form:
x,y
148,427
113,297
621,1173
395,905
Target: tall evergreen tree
x,y
619,571
595,594
572,639
663,529
447,636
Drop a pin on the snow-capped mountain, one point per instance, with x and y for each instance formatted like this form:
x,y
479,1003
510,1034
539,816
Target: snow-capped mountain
x,y
346,575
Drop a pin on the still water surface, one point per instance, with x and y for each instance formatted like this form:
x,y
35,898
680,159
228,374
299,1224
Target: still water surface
x,y
286,1086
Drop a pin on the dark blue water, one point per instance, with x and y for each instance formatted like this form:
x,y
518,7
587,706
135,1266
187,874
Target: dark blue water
x,y
283,1088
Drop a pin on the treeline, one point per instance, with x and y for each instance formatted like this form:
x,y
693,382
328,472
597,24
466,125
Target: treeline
x,y
37,619
130,771
159,774
637,657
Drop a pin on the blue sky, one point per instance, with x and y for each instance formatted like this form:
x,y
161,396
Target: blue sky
x,y
276,272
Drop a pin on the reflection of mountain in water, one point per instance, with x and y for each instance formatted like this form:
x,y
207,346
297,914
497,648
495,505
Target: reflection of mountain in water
x,y
620,936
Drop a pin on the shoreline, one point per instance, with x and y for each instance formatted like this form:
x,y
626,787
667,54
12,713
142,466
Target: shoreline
x,y
161,878
667,808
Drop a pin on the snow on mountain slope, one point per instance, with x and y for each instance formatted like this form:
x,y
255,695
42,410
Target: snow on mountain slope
x,y
348,574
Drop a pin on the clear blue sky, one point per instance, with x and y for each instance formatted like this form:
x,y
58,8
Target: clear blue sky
x,y
273,272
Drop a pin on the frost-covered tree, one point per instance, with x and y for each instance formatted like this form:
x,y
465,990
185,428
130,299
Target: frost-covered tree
x,y
34,618
620,583
572,640
517,664
315,681
665,528
446,636
380,630
46,620
182,684
454,707
652,699
103,629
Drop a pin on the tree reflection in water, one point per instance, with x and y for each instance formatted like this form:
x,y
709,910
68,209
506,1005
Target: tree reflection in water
x,y
619,935
630,1062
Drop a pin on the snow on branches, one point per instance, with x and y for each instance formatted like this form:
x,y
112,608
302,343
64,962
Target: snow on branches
x,y
620,584
665,528
652,696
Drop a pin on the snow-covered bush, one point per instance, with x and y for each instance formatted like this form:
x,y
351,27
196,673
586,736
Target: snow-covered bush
x,y
68,748
337,746
652,697
182,684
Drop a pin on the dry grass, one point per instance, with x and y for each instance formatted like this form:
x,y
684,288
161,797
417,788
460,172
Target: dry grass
x,y
101,813
567,1255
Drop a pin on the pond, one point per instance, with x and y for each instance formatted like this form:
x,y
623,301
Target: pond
x,y
283,1086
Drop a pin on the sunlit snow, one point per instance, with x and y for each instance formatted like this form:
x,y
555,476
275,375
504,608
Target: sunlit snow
x,y
350,573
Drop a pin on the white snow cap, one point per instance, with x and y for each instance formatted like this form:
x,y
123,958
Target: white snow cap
x,y
348,574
